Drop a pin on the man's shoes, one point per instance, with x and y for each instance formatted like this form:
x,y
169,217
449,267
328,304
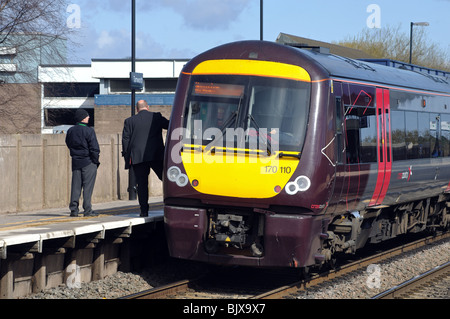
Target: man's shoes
x,y
143,215
73,214
91,214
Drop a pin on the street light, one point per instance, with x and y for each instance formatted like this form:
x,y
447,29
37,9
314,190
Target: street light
x,y
261,8
422,24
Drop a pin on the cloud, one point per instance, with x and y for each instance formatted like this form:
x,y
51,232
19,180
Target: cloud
x,y
105,40
208,14
103,36
196,14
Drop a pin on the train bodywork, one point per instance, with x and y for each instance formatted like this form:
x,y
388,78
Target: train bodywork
x,y
283,157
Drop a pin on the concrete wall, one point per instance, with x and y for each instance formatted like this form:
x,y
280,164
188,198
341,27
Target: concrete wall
x,y
109,118
35,172
20,108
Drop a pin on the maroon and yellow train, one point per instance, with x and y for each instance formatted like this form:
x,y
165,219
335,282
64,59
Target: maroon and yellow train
x,y
282,157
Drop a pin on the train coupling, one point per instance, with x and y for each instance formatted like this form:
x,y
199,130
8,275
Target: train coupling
x,y
232,230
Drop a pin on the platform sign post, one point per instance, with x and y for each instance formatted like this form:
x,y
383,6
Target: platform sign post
x,y
132,193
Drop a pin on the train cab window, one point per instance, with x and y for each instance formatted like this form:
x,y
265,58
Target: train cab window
x,y
361,138
281,109
213,106
236,109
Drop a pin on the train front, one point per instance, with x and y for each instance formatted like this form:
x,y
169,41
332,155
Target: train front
x,y
237,189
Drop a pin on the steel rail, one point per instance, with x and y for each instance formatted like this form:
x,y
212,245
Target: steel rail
x,y
302,285
183,285
162,291
415,282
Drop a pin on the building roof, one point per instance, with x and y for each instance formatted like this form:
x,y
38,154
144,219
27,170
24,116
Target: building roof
x,y
284,38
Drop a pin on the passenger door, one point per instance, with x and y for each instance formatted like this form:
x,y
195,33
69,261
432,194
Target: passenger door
x,y
384,141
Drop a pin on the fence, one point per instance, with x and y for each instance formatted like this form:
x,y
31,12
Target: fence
x,y
35,172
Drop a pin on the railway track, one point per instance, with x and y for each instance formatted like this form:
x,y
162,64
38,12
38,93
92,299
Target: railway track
x,y
276,289
422,286
234,283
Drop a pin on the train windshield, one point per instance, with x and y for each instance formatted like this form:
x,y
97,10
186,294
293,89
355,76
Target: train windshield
x,y
247,112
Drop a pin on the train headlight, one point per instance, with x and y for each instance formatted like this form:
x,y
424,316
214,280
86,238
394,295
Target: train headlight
x,y
174,175
182,180
291,188
301,184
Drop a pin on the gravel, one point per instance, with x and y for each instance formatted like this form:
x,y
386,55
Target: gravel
x,y
378,278
361,284
122,284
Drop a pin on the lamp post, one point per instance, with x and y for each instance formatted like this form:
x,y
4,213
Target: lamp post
x,y
261,29
132,193
423,24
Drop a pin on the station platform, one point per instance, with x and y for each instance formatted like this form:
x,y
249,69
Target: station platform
x,y
36,227
46,248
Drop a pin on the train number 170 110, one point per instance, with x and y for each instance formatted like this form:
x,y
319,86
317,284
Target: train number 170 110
x,y
272,169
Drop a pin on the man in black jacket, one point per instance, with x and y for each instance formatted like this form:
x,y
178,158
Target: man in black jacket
x,y
143,148
85,151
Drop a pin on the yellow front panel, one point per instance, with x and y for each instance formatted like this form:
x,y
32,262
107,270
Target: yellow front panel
x,y
252,67
238,174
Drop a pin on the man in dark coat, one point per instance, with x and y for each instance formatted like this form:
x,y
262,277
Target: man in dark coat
x,y
143,148
85,151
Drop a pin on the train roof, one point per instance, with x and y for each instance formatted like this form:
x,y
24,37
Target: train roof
x,y
376,72
322,65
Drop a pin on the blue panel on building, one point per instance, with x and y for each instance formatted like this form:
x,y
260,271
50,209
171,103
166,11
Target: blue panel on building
x,y
125,99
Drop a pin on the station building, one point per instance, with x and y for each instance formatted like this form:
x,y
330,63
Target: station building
x,y
103,89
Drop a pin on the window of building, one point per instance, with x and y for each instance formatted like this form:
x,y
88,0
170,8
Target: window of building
x,y
71,89
119,86
64,116
160,85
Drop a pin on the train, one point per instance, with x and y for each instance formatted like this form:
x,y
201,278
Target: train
x,y
279,156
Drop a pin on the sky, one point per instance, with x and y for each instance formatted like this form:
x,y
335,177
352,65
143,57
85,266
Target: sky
x,y
181,29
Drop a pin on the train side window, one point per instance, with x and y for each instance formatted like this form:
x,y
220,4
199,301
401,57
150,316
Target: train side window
x,y
435,135
445,134
361,135
368,133
412,135
424,135
398,135
339,129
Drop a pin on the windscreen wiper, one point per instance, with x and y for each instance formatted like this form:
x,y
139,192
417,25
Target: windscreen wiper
x,y
225,125
269,146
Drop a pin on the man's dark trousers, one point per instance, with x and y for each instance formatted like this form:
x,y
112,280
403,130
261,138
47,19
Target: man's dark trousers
x,y
83,178
142,170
